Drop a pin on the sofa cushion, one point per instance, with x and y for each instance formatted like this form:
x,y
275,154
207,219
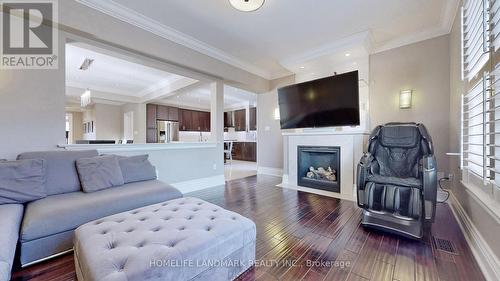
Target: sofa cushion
x,y
136,168
100,172
63,212
10,221
61,168
22,181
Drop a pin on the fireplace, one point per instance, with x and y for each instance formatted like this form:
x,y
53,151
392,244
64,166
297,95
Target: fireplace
x,y
319,167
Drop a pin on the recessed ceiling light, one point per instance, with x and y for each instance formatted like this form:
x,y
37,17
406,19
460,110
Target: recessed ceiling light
x,y
247,5
302,67
86,64
347,54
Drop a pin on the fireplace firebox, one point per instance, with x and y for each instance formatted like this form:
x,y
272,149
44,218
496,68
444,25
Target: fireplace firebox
x,y
319,167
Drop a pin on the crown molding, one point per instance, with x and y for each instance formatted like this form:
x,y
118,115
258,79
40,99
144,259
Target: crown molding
x,y
447,19
134,18
409,39
358,39
449,13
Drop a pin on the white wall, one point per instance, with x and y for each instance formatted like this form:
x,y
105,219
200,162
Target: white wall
x,y
269,137
77,126
32,115
423,67
139,110
108,122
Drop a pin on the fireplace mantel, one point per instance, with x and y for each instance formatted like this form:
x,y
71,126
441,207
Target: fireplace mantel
x,y
352,144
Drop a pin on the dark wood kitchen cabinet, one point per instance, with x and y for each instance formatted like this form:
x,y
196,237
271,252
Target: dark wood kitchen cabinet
x,y
189,120
151,123
228,119
253,119
151,136
245,151
195,121
205,121
151,116
162,112
185,120
240,120
167,113
173,113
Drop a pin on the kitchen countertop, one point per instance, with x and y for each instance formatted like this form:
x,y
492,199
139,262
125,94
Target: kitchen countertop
x,y
241,140
139,147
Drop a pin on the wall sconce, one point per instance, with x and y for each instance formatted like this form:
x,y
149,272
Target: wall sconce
x,y
405,99
277,113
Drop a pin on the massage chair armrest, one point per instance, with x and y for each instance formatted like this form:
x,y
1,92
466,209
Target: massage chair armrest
x,y
364,167
429,180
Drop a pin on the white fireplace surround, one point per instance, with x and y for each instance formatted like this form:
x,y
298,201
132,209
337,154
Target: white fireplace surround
x,y
351,143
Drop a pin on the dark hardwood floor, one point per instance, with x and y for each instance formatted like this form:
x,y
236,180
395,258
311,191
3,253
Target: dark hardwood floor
x,y
303,236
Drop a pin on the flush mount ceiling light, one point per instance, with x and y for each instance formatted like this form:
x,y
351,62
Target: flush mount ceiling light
x,y
247,5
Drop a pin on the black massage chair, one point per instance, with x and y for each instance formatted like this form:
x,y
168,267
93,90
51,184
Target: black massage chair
x,y
397,180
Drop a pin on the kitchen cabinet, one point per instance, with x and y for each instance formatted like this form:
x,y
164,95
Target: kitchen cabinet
x,y
245,151
167,113
173,113
151,116
240,120
162,112
195,119
151,135
189,120
205,121
253,119
185,121
228,119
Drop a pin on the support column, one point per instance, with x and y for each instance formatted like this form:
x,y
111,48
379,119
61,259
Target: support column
x,y
217,112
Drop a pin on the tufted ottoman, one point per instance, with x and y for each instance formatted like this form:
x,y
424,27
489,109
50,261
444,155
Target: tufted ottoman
x,y
181,239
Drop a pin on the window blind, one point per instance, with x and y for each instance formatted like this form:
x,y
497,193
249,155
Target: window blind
x,y
495,23
481,134
473,129
475,36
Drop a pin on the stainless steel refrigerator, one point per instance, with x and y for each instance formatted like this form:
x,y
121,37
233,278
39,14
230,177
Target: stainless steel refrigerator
x,y
168,131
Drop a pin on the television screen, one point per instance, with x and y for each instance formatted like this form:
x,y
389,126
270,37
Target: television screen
x,y
326,102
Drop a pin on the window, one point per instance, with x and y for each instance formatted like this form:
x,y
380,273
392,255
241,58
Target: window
x,y
475,36
481,136
495,23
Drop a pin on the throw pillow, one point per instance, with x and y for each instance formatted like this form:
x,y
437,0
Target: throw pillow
x,y
100,172
136,168
22,181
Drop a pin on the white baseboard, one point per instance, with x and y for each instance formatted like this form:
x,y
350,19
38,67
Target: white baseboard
x,y
487,260
199,184
270,171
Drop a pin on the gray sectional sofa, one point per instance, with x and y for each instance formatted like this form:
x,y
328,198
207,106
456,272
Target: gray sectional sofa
x,y
11,216
46,226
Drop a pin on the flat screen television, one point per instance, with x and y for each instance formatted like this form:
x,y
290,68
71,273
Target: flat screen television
x,y
325,102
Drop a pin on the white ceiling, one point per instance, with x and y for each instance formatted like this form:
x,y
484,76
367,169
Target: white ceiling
x,y
200,98
263,41
115,80
111,74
